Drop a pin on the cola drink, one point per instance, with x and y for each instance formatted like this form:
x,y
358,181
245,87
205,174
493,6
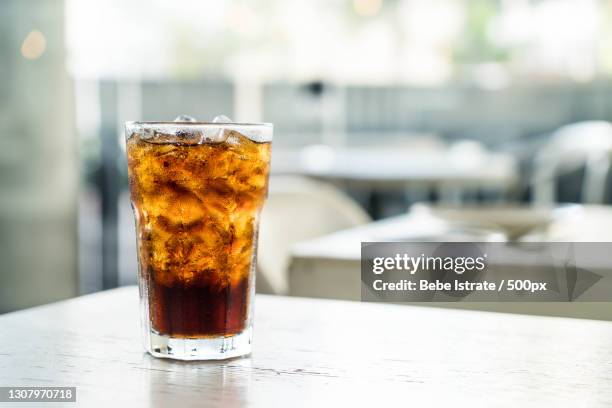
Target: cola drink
x,y
197,190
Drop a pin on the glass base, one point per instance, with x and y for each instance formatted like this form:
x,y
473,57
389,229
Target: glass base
x,y
217,348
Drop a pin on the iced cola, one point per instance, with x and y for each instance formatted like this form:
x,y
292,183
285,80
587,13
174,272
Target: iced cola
x,y
197,190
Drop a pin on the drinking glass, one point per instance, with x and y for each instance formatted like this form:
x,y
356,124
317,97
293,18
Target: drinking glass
x,y
197,189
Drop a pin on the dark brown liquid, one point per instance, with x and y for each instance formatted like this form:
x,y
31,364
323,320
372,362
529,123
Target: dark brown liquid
x,y
197,311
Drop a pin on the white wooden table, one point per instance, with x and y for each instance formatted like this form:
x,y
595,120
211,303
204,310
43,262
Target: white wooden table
x,y
315,353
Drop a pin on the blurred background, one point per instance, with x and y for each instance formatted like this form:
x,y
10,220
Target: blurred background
x,y
394,120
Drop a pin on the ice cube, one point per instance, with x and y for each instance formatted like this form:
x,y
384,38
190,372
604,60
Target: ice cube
x,y
233,138
221,119
216,134
185,118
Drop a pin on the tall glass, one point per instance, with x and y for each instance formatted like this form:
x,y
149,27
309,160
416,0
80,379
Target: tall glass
x,y
197,190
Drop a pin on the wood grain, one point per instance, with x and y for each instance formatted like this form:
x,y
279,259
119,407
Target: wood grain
x,y
311,352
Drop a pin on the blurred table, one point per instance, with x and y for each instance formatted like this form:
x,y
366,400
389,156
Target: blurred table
x,y
310,352
401,166
329,266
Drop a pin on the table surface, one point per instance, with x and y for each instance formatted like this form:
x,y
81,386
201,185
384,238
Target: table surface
x,y
310,352
397,166
579,223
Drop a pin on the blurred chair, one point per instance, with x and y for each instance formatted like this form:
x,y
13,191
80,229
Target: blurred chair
x,y
298,209
583,144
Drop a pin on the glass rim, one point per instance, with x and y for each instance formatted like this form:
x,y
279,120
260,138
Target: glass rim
x,y
197,124
257,132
